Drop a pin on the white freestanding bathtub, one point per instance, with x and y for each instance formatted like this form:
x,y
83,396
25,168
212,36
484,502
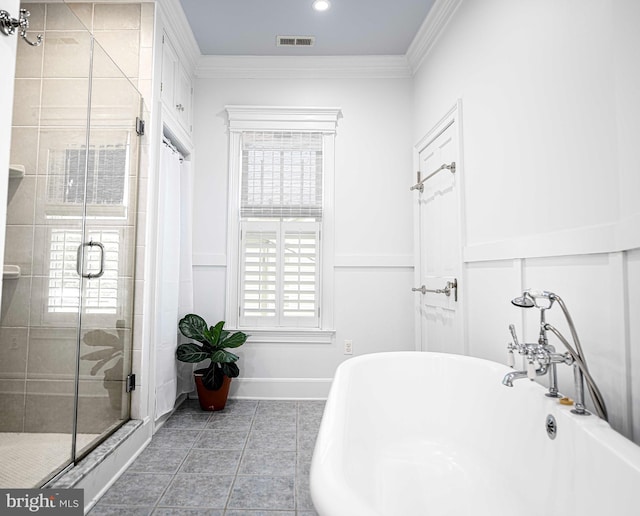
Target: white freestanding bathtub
x,y
432,434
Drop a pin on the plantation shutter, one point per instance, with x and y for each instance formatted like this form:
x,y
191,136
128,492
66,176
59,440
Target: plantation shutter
x,y
300,274
259,271
280,273
280,210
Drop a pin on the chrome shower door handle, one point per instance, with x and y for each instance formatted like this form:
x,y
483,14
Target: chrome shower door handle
x,y
79,260
423,290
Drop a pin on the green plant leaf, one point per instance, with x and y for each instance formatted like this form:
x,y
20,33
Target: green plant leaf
x,y
191,353
213,378
194,327
215,332
234,341
230,369
221,356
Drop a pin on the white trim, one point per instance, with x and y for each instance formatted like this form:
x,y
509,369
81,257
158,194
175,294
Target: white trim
x,y
256,118
211,260
288,336
600,239
308,67
233,231
430,30
280,388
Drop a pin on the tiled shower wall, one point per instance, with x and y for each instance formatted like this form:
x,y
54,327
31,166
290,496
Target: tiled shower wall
x,y
37,360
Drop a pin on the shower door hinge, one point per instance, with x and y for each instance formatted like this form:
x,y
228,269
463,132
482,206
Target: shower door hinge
x,y
131,383
139,126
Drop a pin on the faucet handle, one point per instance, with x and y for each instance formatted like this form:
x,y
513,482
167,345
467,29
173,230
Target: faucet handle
x,y
511,359
531,370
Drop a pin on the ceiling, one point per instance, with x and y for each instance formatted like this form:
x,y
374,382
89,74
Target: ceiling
x,y
349,27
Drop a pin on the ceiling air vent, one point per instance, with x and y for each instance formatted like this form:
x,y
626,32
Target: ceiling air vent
x,y
295,41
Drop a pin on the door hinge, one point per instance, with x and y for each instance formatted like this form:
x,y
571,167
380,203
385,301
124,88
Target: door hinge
x,y
160,87
131,383
139,126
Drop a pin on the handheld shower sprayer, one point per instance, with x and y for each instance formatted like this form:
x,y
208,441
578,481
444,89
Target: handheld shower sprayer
x,y
530,297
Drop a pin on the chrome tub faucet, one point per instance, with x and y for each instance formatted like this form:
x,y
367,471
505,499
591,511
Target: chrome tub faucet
x,y
542,358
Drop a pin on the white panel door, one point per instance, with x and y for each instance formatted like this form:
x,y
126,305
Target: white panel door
x,y
439,260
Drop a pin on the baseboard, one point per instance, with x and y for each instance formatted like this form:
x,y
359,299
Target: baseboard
x,y
280,388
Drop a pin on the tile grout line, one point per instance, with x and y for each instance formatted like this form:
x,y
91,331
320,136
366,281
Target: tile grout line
x,y
155,507
235,476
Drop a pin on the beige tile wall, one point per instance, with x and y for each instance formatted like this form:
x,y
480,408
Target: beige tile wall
x,y
37,351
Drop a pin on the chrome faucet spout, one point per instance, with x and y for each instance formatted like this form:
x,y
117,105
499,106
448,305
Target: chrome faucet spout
x,y
513,375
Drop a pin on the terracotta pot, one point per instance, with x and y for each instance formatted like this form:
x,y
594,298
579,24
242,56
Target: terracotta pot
x,y
212,400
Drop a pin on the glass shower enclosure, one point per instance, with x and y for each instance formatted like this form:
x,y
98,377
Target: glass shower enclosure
x,y
67,300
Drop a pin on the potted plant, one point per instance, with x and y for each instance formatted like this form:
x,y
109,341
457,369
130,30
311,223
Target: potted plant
x,y
212,382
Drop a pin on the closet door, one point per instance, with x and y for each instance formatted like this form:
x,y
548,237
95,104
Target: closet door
x,y
439,260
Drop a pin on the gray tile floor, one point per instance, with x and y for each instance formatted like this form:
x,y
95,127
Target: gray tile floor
x,y
250,459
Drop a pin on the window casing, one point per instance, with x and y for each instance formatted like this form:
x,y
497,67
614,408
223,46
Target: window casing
x,y
280,242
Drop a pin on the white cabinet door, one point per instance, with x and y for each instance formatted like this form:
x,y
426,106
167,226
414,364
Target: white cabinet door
x,y
176,86
169,63
183,97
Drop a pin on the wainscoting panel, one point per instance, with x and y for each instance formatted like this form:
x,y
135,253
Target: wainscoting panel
x,y
489,288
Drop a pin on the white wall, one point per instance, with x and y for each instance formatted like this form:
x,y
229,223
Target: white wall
x,y
551,119
373,234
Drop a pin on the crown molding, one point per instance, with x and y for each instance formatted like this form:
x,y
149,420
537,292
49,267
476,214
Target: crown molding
x,y
323,119
307,67
430,30
179,30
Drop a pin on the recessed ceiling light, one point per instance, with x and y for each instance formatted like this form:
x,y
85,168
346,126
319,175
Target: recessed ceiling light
x,y
321,5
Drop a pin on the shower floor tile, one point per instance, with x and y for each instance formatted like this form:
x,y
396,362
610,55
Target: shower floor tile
x,y
27,459
252,459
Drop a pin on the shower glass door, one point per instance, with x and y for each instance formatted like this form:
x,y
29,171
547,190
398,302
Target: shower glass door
x,y
106,256
67,301
41,303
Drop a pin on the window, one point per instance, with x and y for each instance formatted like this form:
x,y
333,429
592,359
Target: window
x,y
280,214
280,241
